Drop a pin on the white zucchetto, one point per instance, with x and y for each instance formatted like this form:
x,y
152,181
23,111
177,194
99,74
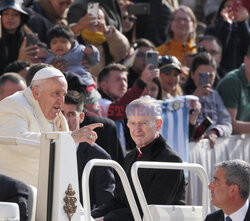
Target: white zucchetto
x,y
48,72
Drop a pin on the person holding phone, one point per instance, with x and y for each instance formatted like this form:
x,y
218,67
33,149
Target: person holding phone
x,y
200,83
181,35
13,40
231,27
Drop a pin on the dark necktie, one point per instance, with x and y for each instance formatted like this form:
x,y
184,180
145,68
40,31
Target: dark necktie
x,y
228,218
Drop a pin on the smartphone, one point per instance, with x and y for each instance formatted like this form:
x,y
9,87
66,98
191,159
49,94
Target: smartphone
x,y
139,9
204,78
31,39
152,58
200,130
93,9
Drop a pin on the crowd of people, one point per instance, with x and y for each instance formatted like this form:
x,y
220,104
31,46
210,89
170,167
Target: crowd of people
x,y
65,69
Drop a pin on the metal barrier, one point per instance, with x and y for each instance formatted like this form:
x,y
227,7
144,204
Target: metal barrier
x,y
125,183
173,166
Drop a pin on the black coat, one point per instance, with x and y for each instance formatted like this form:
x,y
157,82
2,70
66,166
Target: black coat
x,y
15,191
164,187
101,181
107,136
219,215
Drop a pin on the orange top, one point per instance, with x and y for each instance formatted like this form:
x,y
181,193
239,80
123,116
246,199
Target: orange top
x,y
177,49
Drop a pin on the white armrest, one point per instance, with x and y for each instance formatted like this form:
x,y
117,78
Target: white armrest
x,y
9,211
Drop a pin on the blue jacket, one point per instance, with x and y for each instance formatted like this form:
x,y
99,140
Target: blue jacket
x,y
73,61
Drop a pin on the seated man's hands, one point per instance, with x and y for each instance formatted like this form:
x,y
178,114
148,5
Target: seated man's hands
x,y
86,134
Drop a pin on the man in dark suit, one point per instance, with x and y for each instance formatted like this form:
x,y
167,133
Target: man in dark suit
x,y
15,191
111,146
230,191
102,182
164,187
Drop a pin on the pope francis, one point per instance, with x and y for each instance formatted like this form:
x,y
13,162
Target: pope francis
x,y
28,113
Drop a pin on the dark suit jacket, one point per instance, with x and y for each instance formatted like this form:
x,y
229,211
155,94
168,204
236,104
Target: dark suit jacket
x,y
219,215
164,187
101,182
107,136
15,191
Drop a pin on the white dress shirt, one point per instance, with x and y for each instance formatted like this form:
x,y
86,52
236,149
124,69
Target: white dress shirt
x,y
240,214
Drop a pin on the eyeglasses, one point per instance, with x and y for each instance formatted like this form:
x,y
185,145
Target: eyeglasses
x,y
140,123
184,20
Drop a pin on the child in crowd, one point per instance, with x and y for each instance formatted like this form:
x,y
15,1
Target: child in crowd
x,y
67,55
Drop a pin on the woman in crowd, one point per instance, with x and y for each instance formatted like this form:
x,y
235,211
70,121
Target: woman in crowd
x,y
154,89
170,70
181,35
13,40
231,27
211,102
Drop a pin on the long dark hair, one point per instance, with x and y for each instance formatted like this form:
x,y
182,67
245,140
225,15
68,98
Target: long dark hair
x,y
203,58
158,83
11,43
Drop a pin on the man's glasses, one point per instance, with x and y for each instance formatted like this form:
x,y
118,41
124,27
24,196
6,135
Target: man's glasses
x,y
140,123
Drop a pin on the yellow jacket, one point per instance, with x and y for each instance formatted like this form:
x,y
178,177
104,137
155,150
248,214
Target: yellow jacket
x,y
177,49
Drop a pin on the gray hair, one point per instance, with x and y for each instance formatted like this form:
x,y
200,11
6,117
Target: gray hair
x,y
237,172
148,107
39,83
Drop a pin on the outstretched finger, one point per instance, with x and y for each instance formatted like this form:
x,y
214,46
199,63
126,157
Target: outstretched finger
x,y
93,126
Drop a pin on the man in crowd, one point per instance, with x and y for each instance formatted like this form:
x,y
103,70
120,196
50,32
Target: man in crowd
x,y
164,187
15,191
230,191
234,91
27,114
112,83
212,45
102,181
11,83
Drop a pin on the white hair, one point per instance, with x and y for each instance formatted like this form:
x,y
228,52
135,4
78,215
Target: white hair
x,y
148,107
